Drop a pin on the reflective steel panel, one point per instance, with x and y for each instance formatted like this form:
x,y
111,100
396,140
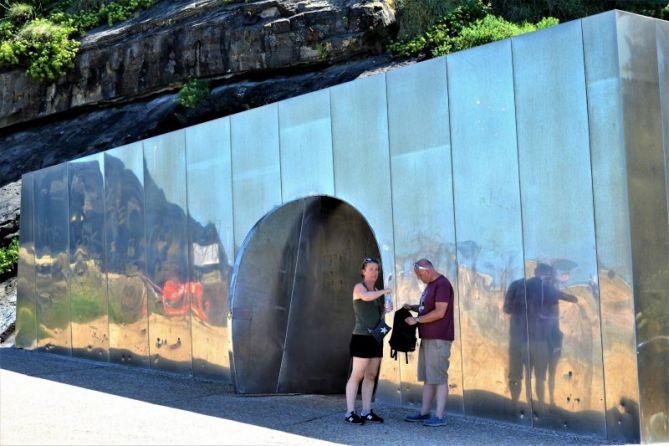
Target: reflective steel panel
x,y
256,171
362,176
168,288
211,245
125,248
649,226
306,146
54,332
489,234
614,254
422,199
321,318
662,30
261,290
558,230
88,279
26,320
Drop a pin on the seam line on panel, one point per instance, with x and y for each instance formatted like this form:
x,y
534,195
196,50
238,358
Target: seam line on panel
x,y
455,233
278,144
69,268
332,144
290,301
189,252
105,266
594,227
146,259
230,294
392,217
528,376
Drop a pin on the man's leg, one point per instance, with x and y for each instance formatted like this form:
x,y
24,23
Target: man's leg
x,y
428,395
442,396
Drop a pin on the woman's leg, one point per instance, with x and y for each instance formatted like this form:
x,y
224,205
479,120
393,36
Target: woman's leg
x,y
370,373
357,375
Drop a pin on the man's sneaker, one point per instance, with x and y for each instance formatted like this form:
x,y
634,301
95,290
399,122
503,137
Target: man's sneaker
x,y
435,421
417,417
371,416
354,418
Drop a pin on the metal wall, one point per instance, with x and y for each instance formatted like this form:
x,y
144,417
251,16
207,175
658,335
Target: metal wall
x,y
88,281
126,255
496,365
649,226
167,268
211,242
26,309
54,329
531,171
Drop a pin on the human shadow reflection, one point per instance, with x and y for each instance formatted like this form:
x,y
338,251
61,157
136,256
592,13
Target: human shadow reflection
x,y
535,338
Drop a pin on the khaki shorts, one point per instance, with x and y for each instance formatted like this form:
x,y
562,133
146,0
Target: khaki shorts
x,y
433,361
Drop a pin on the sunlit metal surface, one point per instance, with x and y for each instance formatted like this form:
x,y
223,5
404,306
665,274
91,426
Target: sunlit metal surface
x,y
558,230
306,146
362,176
422,198
54,332
26,319
126,255
496,368
615,273
231,247
88,281
649,226
211,245
662,30
256,167
168,288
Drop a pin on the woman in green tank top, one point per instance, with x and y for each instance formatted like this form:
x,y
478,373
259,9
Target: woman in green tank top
x,y
368,306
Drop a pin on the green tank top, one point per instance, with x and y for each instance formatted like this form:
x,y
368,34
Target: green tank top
x,y
367,314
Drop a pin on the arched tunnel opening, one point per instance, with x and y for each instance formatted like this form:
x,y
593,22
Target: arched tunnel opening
x,y
291,307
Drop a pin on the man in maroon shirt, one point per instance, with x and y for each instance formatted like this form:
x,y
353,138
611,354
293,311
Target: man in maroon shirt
x,y
436,331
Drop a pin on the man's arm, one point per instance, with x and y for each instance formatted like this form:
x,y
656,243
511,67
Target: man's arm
x,y
438,313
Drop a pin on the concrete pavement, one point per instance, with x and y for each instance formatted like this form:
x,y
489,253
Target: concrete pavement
x,y
54,400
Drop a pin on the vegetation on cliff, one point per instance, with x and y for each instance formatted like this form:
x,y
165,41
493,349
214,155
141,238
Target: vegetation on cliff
x,y
431,28
41,35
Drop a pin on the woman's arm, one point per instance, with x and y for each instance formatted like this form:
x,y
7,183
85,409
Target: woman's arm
x,y
359,292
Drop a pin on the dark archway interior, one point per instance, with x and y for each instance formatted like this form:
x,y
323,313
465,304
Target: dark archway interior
x,y
292,315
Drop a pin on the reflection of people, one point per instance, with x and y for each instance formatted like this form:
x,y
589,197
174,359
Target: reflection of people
x,y
368,306
436,330
542,325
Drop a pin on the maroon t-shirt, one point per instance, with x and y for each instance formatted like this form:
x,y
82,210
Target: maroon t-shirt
x,y
439,290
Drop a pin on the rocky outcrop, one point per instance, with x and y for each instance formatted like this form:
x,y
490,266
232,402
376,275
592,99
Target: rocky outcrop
x,y
212,39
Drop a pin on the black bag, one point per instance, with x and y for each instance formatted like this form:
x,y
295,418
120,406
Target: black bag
x,y
380,331
403,338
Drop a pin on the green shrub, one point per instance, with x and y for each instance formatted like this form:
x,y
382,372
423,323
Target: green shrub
x,y
192,93
20,13
47,48
9,256
467,25
46,45
492,28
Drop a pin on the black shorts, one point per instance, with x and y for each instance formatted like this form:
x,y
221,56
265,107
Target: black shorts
x,y
365,346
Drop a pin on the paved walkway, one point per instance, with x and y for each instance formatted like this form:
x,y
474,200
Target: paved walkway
x,y
49,399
